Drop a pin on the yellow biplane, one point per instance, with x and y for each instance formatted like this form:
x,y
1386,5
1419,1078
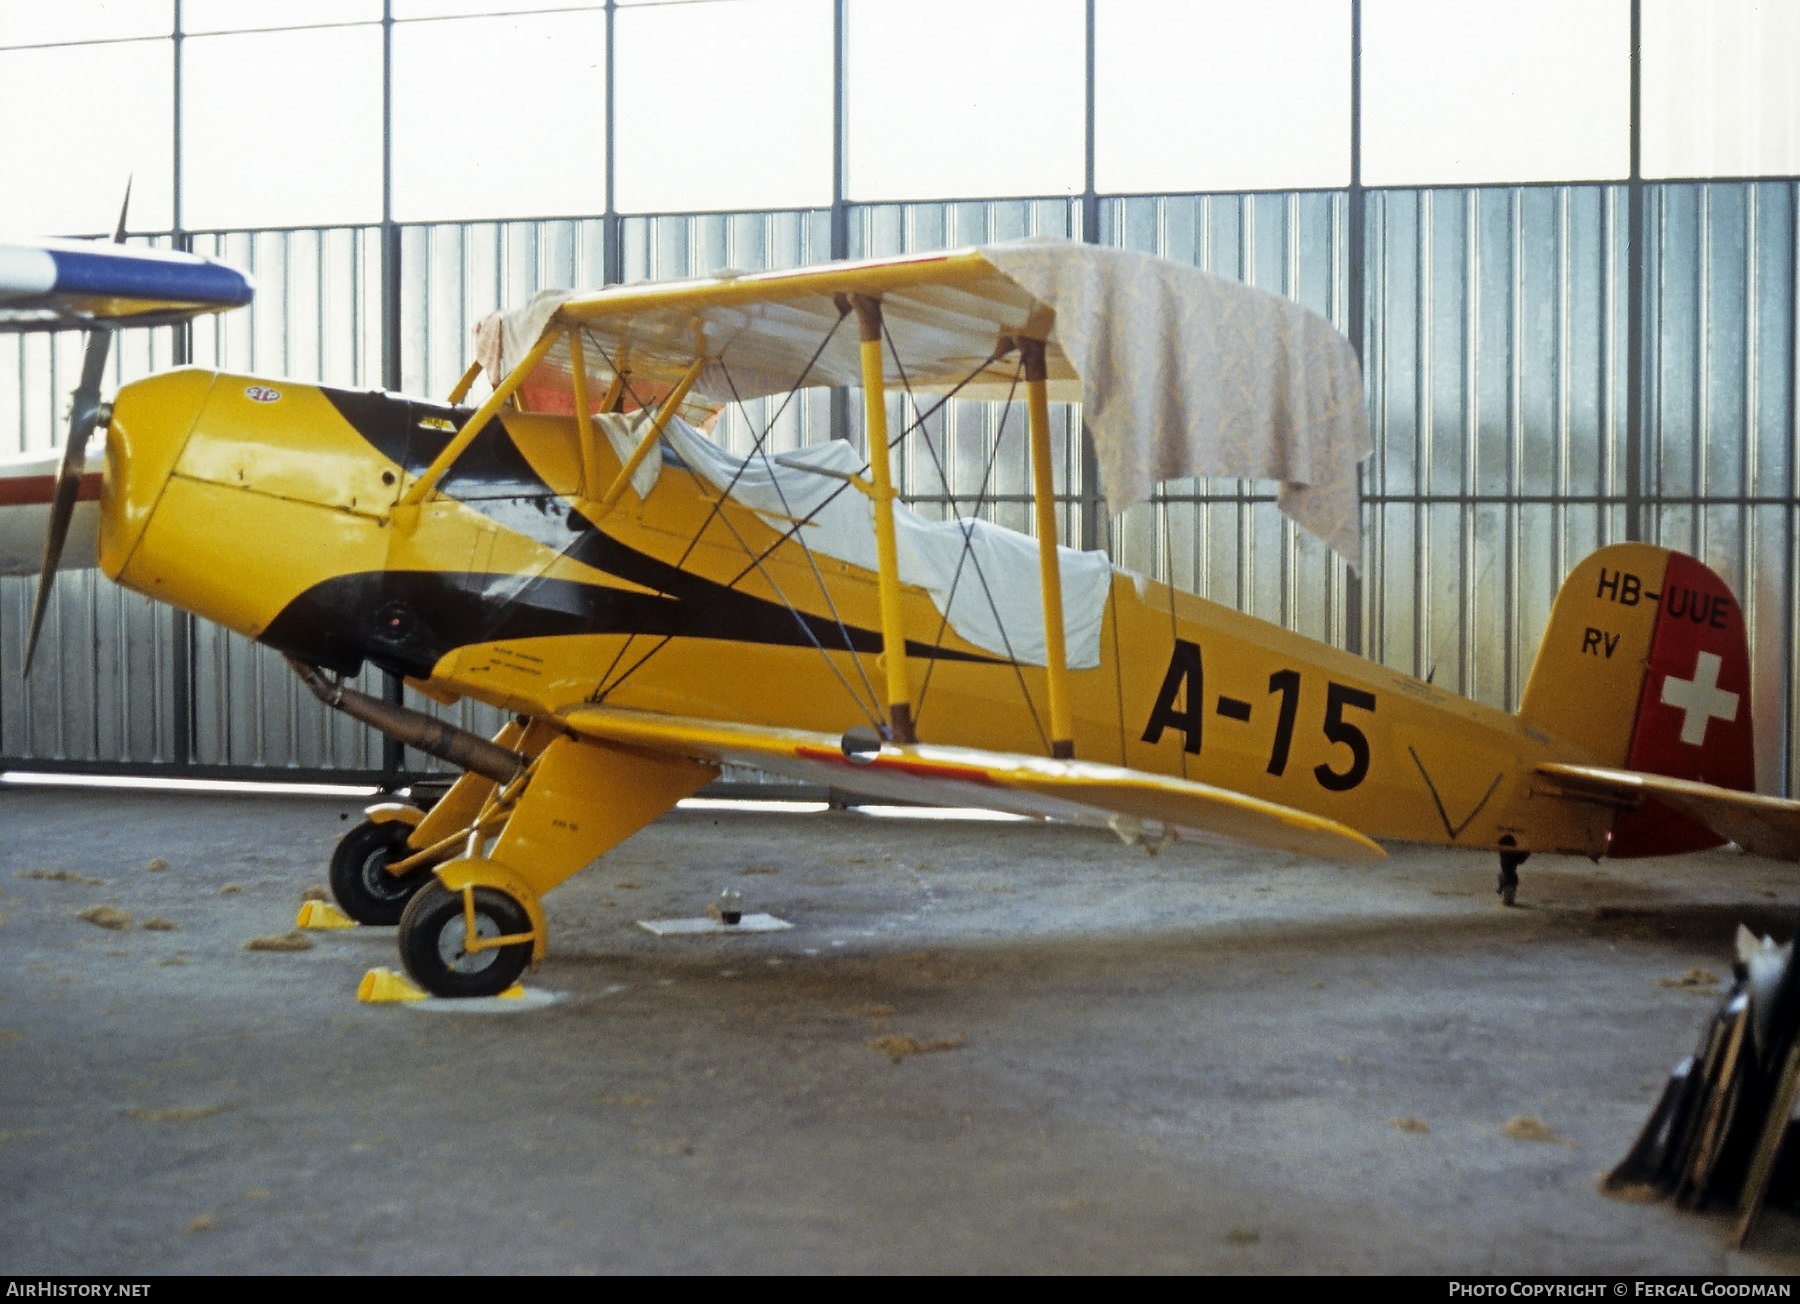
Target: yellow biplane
x,y
651,608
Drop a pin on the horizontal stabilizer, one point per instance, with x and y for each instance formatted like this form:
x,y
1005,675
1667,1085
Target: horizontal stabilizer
x,y
1765,826
963,776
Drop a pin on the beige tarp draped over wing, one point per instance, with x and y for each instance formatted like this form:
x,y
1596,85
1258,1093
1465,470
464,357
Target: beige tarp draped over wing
x,y
1181,373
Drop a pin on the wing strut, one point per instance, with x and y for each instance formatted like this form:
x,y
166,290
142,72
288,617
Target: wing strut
x,y
657,424
1043,493
882,495
490,407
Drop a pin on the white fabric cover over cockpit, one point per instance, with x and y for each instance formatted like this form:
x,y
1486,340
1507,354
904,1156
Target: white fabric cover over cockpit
x,y
1181,373
993,599
1184,374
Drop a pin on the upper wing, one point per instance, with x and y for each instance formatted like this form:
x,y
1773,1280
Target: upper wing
x,y
1169,361
964,776
81,284
1766,826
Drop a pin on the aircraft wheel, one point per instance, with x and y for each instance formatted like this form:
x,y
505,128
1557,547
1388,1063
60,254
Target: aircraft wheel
x,y
432,933
359,877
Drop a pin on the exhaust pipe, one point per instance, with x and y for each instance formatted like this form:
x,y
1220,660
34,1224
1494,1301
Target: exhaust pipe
x,y
417,730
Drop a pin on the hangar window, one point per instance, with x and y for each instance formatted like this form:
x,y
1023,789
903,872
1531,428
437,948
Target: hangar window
x,y
723,104
1220,95
282,128
33,22
465,8
121,124
536,154
1721,88
1463,94
953,98
236,16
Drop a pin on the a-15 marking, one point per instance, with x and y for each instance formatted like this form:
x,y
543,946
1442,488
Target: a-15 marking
x,y
1186,679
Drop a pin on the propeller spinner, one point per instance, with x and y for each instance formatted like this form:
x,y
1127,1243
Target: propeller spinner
x,y
86,414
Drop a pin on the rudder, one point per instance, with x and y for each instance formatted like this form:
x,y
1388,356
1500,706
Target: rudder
x,y
1645,666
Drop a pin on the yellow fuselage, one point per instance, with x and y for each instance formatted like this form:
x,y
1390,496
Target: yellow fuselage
x,y
269,506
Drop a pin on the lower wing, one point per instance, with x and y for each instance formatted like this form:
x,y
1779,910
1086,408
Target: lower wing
x,y
1765,826
963,776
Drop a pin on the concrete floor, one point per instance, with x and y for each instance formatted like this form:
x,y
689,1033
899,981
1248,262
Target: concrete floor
x,y
1181,1063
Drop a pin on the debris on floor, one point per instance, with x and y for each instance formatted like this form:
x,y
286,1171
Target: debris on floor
x,y
229,888
174,1114
61,876
157,924
897,1046
1692,978
290,941
1408,1123
106,917
1529,1127
204,1223
156,866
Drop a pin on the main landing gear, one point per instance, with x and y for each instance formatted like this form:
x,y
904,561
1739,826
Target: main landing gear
x,y
1510,861
533,806
470,943
360,879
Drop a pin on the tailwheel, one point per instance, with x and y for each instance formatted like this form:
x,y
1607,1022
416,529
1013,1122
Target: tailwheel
x,y
434,934
359,877
1508,888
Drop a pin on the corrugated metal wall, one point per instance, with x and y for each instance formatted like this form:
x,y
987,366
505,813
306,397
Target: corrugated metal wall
x,y
1496,358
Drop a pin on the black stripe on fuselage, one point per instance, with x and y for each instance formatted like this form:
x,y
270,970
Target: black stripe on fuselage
x,y
407,621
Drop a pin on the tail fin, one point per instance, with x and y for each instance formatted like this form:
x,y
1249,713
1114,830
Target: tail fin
x,y
1645,666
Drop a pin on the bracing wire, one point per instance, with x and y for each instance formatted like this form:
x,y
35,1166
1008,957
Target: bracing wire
x,y
761,450
606,688
713,510
968,546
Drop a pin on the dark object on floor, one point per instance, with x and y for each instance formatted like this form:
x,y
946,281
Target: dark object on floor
x,y
1722,1134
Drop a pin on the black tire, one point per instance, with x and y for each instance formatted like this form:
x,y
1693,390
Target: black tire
x,y
431,937
359,877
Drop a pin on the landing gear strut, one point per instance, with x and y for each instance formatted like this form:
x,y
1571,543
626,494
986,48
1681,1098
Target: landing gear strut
x,y
1509,872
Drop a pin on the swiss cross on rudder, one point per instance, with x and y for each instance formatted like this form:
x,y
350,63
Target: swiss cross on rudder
x,y
1700,699
1693,717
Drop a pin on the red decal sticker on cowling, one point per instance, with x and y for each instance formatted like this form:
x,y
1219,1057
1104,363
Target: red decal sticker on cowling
x,y
1693,718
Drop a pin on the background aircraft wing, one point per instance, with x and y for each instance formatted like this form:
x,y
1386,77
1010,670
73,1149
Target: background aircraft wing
x,y
1766,826
27,485
961,776
88,284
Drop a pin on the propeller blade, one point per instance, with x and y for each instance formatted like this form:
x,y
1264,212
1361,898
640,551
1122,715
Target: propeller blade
x,y
119,231
84,416
85,413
